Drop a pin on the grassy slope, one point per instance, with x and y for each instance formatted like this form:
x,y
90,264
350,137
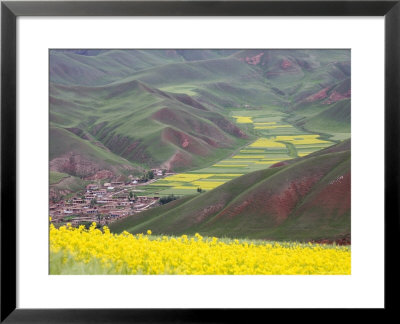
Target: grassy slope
x,y
285,203
104,66
107,95
64,143
334,119
69,185
134,121
56,177
195,72
68,67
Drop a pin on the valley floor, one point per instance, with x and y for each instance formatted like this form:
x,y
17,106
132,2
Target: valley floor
x,y
277,141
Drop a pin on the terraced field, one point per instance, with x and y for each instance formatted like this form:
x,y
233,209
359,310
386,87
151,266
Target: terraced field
x,y
276,141
127,111
265,132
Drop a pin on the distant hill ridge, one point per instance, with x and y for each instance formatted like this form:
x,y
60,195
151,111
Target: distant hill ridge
x,y
127,110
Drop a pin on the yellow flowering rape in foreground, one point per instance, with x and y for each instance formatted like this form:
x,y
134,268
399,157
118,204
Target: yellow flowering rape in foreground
x,y
142,254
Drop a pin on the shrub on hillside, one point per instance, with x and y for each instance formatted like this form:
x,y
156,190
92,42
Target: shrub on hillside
x,y
165,200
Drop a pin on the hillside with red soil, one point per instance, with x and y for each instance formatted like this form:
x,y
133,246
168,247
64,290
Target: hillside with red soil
x,y
306,200
122,111
141,124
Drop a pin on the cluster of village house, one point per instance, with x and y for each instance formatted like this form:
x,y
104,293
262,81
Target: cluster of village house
x,y
105,203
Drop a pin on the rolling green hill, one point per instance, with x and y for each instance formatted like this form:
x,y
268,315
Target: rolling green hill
x,y
85,157
138,109
143,125
336,118
306,199
97,67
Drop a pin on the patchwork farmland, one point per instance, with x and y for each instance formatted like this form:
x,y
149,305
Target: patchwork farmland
x,y
276,141
232,161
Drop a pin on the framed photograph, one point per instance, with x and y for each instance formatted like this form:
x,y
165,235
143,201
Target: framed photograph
x,y
189,160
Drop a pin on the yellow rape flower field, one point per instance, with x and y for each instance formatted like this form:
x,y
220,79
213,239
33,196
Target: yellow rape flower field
x,y
267,143
243,119
187,177
302,139
95,251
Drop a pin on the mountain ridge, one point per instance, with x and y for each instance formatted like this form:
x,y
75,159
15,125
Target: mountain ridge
x,y
154,107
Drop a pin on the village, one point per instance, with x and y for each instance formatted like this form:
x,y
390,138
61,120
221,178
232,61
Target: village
x,y
107,202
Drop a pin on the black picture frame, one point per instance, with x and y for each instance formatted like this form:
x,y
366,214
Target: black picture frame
x,y
10,10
